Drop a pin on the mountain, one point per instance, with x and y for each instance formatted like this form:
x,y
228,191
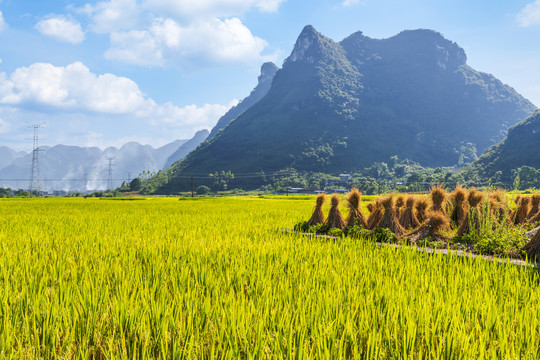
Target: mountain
x,y
73,168
340,106
520,148
7,156
268,71
186,148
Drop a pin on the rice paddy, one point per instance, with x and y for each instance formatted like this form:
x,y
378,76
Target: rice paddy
x,y
215,278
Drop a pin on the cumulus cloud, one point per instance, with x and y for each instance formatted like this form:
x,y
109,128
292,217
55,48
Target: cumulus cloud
x,y
61,28
113,15
213,41
209,8
158,32
3,24
529,15
75,88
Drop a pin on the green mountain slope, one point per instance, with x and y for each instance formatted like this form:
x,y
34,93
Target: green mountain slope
x,y
517,150
268,71
337,107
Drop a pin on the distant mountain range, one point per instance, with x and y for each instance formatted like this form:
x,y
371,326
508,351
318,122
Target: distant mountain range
x,y
341,106
74,168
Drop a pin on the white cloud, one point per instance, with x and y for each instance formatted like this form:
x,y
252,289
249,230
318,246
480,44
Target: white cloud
x,y
346,3
212,41
4,127
61,28
113,15
76,89
3,24
185,9
529,15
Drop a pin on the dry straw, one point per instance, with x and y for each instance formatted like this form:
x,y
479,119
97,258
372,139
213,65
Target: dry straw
x,y
356,216
472,219
376,215
389,220
421,208
335,219
498,205
400,202
532,248
408,219
520,215
438,197
430,229
460,205
535,201
318,216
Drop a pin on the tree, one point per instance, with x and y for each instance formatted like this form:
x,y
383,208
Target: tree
x,y
135,184
203,190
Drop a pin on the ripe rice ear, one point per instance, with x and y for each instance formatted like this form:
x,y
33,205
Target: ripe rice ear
x,y
335,219
408,219
356,216
389,220
376,215
460,205
430,229
438,197
318,216
421,208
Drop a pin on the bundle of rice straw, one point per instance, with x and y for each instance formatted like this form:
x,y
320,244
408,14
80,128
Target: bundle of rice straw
x,y
532,248
408,219
400,201
513,213
376,215
335,219
522,210
318,216
389,220
438,197
460,205
535,201
474,215
356,216
421,207
430,229
370,207
534,219
498,205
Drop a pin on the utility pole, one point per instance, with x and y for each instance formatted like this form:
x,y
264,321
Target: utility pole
x,y
109,172
192,186
35,174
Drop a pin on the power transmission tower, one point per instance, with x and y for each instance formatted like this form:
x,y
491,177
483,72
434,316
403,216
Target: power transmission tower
x,y
35,175
109,173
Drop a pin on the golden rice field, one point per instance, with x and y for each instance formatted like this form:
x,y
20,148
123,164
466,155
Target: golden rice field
x,y
215,278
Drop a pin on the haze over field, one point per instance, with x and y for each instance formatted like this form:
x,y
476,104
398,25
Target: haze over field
x,y
104,73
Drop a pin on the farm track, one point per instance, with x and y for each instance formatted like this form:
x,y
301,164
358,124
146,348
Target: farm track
x,y
460,253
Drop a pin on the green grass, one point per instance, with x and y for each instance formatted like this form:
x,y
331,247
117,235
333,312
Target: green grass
x,y
162,278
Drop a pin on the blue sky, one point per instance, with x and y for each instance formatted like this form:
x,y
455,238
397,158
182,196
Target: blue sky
x,y
103,73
